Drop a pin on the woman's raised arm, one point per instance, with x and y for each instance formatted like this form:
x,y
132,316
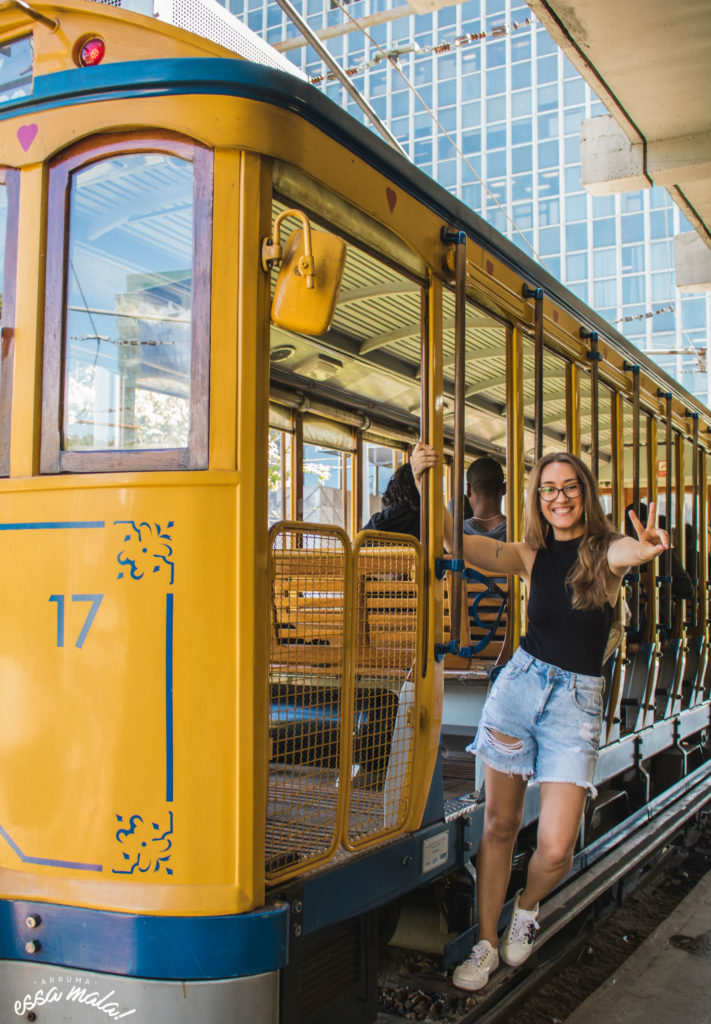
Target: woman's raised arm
x,y
493,556
624,552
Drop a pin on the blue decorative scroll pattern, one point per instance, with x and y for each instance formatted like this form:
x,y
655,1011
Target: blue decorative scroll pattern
x,y
143,846
148,549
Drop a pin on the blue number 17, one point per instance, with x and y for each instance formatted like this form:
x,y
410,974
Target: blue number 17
x,y
95,599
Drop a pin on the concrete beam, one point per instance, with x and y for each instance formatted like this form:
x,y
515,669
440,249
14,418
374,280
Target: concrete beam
x,y
692,262
610,161
679,160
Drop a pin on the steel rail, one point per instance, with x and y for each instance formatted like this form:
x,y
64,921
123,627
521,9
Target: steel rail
x,y
509,985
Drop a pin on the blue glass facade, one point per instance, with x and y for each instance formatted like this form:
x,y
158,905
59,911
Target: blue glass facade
x,y
513,104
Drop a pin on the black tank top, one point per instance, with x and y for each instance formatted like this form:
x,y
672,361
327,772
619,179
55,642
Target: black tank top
x,y
557,633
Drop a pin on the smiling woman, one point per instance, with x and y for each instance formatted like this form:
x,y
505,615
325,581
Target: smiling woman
x,y
542,720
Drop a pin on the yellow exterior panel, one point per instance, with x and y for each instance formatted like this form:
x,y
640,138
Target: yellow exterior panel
x,y
119,679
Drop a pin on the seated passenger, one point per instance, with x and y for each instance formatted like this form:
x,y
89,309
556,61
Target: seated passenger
x,y
401,505
467,508
485,490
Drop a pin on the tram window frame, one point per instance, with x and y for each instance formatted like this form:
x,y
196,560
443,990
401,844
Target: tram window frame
x,y
284,482
10,180
195,455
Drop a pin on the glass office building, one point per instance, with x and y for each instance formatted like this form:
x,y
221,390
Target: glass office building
x,y
513,104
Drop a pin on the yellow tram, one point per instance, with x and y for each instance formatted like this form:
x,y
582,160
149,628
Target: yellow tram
x,y
232,721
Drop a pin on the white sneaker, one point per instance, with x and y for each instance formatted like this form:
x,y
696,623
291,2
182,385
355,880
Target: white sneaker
x,y
473,973
516,944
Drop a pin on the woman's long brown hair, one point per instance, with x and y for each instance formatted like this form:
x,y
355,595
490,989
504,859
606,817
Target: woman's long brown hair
x,y
589,577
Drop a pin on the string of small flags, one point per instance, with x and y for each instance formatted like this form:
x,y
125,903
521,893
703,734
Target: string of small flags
x,y
438,48
645,316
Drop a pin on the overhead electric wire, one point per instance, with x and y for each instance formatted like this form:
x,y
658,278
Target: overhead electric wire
x,y
440,126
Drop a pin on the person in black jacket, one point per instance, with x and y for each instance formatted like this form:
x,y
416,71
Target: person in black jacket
x,y
401,505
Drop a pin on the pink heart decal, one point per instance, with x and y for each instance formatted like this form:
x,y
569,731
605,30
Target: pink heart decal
x,y
26,135
391,196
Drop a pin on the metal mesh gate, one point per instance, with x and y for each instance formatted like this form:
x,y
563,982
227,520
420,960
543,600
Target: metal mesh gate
x,y
310,580
387,610
342,700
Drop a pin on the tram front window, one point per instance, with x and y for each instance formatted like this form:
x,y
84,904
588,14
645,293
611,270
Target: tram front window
x,y
129,304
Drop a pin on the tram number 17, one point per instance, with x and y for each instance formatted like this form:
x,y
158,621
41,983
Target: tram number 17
x,y
95,600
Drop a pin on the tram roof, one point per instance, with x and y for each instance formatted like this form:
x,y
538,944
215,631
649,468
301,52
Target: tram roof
x,y
649,63
197,75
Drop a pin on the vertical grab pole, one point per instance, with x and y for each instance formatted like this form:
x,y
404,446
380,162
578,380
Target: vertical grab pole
x,y
633,368
537,295
694,611
681,610
594,357
702,542
650,569
666,611
515,471
459,240
425,392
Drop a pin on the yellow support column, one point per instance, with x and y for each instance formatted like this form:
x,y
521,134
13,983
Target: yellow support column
x,y
618,460
572,408
515,471
618,482
651,567
431,679
225,314
252,620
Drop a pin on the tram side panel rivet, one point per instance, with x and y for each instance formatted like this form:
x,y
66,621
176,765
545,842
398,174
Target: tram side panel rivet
x,y
297,906
31,1015
407,862
296,931
33,921
32,946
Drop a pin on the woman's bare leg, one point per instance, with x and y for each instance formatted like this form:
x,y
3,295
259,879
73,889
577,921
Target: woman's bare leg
x,y
562,805
505,796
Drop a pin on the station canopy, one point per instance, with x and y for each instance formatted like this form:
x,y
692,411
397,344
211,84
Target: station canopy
x,y
650,65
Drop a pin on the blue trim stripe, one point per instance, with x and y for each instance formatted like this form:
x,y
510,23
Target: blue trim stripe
x,y
148,946
95,525
169,697
76,865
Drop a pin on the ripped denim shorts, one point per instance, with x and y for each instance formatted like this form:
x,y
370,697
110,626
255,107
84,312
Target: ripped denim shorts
x,y
555,717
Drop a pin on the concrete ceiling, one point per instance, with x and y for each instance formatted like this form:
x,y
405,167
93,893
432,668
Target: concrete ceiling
x,y
649,61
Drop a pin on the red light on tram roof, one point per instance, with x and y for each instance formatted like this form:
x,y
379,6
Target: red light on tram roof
x,y
91,51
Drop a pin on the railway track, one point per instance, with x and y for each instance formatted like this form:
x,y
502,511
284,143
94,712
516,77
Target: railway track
x,y
567,919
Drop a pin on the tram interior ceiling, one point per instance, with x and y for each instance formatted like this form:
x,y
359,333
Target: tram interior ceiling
x,y
230,333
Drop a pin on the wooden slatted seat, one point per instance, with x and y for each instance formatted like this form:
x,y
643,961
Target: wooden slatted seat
x,y
308,608
387,625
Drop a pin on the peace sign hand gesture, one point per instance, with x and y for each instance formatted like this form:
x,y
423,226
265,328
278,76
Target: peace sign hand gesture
x,y
652,541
